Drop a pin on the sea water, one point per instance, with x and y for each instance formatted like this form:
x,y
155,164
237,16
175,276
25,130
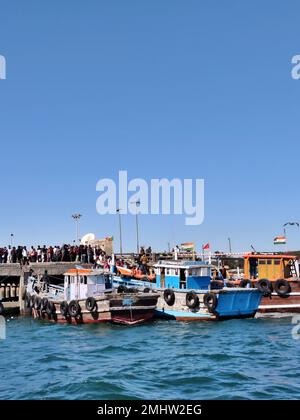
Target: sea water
x,y
237,359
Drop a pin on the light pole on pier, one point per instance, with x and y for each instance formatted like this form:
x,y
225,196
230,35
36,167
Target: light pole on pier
x,y
11,239
229,242
77,217
137,203
120,230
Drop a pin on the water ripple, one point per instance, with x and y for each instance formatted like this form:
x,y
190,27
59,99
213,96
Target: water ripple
x,y
241,359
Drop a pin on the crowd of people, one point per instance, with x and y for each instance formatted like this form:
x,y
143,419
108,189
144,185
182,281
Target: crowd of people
x,y
66,253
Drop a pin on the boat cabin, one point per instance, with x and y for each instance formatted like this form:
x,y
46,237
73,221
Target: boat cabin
x,y
84,283
270,266
183,275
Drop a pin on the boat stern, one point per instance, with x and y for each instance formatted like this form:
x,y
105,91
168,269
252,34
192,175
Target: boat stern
x,y
237,303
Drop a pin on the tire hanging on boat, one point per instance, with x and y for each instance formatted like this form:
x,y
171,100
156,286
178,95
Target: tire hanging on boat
x,y
216,284
122,288
265,286
192,300
91,304
146,290
44,304
245,283
169,297
50,308
64,308
282,287
210,300
74,309
1,308
37,303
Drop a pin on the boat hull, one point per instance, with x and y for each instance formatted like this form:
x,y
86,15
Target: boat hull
x,y
238,303
282,305
232,303
125,309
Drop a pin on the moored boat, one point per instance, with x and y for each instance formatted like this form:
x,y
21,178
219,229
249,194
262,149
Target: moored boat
x,y
277,277
88,296
185,293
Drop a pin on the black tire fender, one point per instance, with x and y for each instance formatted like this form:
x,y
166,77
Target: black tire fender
x,y
74,309
91,304
244,283
265,287
37,303
64,308
44,304
1,308
216,285
210,300
169,297
282,287
192,300
50,308
122,288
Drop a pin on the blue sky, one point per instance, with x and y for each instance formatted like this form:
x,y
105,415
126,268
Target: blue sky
x,y
172,88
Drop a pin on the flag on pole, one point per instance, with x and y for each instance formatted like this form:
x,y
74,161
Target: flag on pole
x,y
206,246
280,240
187,246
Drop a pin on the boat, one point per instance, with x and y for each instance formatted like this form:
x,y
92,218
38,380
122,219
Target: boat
x,y
88,296
277,277
185,293
133,273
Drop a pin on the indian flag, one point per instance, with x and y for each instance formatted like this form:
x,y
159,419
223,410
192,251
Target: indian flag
x,y
187,246
280,240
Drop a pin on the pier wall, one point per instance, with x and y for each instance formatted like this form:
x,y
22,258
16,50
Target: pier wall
x,y
13,278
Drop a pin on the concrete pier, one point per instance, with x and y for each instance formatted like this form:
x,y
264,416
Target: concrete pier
x,y
14,276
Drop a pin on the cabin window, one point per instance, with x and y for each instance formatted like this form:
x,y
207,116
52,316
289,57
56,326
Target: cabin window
x,y
262,262
276,262
269,262
204,272
167,271
83,279
176,272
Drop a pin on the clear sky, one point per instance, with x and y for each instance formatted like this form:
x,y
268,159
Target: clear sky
x,y
172,88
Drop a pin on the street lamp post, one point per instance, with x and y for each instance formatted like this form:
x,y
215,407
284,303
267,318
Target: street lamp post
x,y
11,239
77,217
229,242
137,203
120,230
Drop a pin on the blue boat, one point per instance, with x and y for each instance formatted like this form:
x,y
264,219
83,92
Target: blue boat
x,y
185,293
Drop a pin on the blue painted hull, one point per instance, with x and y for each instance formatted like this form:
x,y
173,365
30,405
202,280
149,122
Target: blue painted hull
x,y
231,303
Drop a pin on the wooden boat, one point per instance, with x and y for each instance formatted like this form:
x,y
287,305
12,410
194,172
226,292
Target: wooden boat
x,y
86,297
277,277
185,294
